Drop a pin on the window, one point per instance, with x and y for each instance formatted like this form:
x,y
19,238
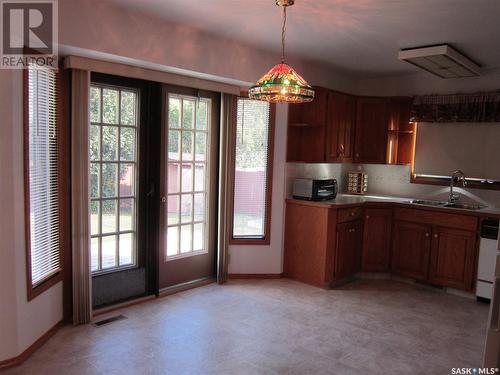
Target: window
x,y
41,180
252,173
188,175
113,177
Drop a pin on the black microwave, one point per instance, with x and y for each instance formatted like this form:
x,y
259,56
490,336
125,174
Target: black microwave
x,y
314,190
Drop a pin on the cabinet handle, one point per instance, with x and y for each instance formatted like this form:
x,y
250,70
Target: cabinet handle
x,y
427,235
436,235
367,216
357,155
352,213
352,230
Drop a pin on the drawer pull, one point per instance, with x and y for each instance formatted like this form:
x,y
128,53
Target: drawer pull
x,y
352,230
436,235
367,216
427,235
352,213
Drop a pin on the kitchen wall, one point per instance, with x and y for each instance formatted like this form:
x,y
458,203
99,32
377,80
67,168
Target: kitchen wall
x,y
391,180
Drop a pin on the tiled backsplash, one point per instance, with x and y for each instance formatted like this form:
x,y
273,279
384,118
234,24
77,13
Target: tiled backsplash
x,y
393,180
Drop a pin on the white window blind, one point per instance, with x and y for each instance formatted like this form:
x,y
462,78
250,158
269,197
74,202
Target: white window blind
x,y
251,169
43,176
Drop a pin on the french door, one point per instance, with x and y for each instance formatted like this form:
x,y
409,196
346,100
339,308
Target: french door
x,y
188,186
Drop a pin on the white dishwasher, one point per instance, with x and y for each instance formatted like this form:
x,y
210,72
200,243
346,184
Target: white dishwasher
x,y
488,250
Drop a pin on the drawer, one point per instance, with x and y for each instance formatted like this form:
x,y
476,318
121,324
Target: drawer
x,y
433,217
349,214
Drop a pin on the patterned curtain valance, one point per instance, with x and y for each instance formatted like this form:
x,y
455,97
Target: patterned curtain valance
x,y
478,107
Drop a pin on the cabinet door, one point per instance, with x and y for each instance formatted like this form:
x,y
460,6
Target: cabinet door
x,y
376,240
452,258
348,249
307,129
411,249
370,144
341,119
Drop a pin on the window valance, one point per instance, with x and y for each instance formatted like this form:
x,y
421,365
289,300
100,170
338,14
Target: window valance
x,y
477,107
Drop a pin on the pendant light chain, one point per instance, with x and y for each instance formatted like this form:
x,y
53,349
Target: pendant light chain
x,y
283,31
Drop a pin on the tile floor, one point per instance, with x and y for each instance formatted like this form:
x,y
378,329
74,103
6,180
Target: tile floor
x,y
277,327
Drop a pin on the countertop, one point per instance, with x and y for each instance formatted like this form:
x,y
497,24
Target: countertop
x,y
348,200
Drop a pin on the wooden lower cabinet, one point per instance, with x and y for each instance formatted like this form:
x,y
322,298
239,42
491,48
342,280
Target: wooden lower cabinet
x,y
348,249
411,249
453,257
376,254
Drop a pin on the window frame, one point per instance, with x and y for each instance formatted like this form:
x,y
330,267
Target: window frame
x,y
62,187
266,239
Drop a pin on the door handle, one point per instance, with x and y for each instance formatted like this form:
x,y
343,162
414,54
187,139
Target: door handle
x,y
163,199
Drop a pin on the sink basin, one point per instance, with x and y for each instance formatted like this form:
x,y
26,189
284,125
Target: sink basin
x,y
427,202
464,206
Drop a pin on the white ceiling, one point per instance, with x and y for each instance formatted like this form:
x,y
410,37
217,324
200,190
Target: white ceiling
x,y
358,36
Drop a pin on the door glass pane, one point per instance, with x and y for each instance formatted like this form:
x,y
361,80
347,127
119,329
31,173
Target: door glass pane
x,y
187,145
202,115
109,183
126,246
94,254
109,216
200,146
126,180
127,144
188,114
173,210
95,104
186,238
108,251
94,180
198,237
112,186
173,145
186,208
199,179
173,174
110,106
174,113
172,241
188,133
187,177
94,142
126,214
199,207
94,217
109,143
128,106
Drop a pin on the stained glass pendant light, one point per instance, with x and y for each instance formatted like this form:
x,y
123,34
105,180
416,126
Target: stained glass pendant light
x,y
282,84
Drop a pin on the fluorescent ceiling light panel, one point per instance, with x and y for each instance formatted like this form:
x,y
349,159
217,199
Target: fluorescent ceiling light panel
x,y
442,61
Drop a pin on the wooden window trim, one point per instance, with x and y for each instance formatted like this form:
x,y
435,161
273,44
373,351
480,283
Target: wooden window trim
x,y
63,185
266,240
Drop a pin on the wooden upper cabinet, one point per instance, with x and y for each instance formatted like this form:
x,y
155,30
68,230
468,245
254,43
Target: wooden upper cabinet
x,y
370,145
341,118
307,129
348,249
411,249
376,253
453,258
401,133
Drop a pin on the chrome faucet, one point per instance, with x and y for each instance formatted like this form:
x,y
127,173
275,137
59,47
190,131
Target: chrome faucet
x,y
460,176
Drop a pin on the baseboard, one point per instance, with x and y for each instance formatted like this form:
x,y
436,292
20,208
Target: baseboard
x,y
186,286
255,276
16,361
122,305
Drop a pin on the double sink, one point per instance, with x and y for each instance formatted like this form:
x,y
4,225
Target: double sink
x,y
463,206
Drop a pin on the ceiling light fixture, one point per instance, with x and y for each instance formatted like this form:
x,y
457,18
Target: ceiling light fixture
x,y
282,84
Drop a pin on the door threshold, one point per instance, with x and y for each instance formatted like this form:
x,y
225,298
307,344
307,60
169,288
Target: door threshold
x,y
121,305
185,286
